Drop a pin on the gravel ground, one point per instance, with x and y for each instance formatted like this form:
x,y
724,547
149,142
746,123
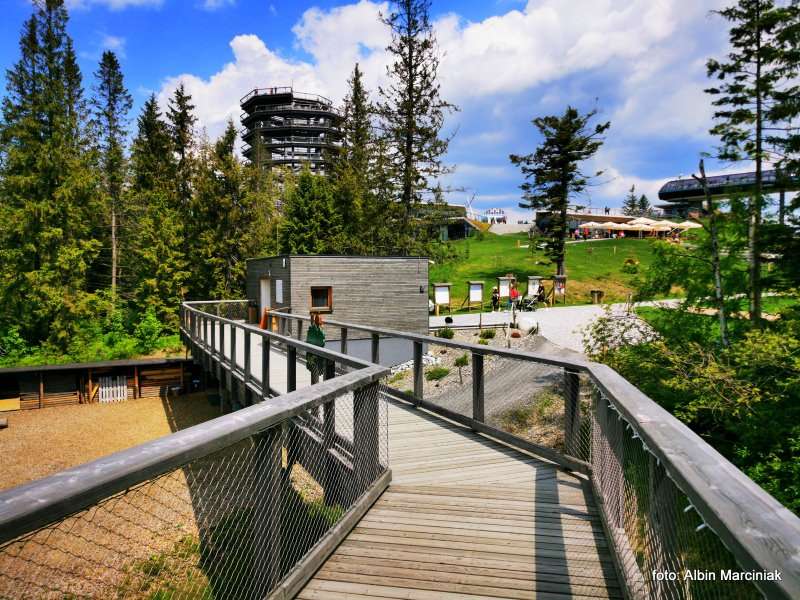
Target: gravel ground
x,y
41,442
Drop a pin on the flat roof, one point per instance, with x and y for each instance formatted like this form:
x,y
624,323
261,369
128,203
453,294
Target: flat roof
x,y
141,362
346,256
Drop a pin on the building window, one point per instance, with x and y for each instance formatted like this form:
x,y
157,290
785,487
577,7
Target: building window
x,y
322,299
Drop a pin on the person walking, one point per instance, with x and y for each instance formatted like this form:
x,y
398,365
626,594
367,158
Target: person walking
x,y
316,336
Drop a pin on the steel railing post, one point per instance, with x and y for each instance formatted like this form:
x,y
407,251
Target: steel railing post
x,y
478,405
376,348
418,382
343,343
572,417
265,351
291,368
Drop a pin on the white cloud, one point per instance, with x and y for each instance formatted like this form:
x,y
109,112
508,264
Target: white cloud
x,y
114,43
254,65
647,54
216,4
112,4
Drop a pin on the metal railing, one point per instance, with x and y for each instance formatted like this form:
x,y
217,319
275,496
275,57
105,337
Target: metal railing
x,y
669,502
283,90
277,108
247,505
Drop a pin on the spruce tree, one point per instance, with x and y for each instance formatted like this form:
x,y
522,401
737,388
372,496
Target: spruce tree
x,y
411,109
48,185
644,205
156,262
182,121
111,104
553,172
630,205
748,80
310,222
233,206
352,166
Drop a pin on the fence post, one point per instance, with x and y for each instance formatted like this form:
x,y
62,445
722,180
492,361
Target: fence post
x,y
572,415
418,383
266,558
221,362
291,368
330,369
233,348
331,478
213,337
343,344
376,352
246,362
478,406
265,351
366,436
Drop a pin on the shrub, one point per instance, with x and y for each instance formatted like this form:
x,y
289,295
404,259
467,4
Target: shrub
x,y
487,334
148,330
461,362
483,342
436,373
630,266
446,333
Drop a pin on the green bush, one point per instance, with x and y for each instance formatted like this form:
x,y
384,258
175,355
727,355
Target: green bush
x,y
446,333
630,266
436,373
487,334
483,342
147,331
462,361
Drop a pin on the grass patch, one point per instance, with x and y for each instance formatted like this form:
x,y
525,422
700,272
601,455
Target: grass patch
x,y
446,333
487,334
590,265
436,373
541,420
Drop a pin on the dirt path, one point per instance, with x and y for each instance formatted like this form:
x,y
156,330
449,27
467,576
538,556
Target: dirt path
x,y
41,442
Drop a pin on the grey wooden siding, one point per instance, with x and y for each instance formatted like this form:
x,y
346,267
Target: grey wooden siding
x,y
366,290
271,267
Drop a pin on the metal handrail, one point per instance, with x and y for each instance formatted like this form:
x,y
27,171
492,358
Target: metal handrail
x,y
290,107
33,505
282,90
757,529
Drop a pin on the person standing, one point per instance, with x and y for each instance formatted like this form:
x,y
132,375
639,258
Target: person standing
x,y
495,300
316,336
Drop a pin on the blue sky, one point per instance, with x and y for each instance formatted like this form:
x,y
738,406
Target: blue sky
x,y
639,62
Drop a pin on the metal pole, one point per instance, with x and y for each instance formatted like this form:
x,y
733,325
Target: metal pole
x,y
478,409
418,389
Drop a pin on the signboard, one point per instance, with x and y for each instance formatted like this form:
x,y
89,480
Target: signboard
x,y
560,286
441,294
504,287
476,292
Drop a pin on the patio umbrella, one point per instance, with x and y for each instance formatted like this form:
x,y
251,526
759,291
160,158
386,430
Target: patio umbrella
x,y
689,225
642,221
590,225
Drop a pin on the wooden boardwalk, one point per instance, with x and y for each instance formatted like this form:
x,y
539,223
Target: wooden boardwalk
x,y
466,517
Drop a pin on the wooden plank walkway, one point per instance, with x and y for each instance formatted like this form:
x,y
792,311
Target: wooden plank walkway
x,y
466,517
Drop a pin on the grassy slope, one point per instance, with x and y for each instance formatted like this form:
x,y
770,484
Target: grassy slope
x,y
590,265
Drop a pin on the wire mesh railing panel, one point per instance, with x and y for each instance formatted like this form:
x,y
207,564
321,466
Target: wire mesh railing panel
x,y
664,548
232,524
446,378
525,399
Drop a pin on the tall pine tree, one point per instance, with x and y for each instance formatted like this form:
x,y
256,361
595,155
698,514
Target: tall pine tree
x,y
310,222
48,185
553,172
411,109
111,104
748,79
156,261
233,206
630,205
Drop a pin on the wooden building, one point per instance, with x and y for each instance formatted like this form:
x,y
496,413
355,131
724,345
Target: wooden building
x,y
43,386
382,291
